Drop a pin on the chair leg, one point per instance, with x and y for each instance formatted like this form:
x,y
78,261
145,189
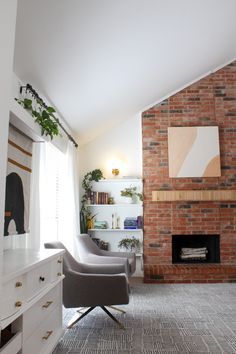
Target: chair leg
x,y
112,317
82,309
117,309
76,319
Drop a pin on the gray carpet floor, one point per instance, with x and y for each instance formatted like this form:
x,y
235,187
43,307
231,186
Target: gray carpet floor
x,y
166,319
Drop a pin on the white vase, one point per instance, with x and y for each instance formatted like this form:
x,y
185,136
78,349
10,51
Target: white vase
x,y
127,200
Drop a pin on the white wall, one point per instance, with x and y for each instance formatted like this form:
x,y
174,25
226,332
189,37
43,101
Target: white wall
x,y
7,36
124,142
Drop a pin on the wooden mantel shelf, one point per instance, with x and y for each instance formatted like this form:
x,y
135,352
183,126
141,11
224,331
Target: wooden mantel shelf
x,y
194,195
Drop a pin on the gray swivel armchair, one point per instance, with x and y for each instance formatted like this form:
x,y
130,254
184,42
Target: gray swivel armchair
x,y
89,252
89,285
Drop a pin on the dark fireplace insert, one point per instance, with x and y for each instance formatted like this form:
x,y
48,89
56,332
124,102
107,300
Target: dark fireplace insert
x,y
196,248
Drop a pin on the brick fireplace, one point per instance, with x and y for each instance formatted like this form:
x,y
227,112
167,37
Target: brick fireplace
x,y
210,101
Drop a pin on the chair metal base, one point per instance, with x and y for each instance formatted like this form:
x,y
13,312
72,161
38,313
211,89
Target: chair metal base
x,y
117,309
83,309
76,319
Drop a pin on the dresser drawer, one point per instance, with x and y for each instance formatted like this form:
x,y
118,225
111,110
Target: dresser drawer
x,y
39,312
46,335
13,346
13,296
56,267
38,279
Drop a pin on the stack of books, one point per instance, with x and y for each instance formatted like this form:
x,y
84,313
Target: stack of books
x,y
100,224
98,198
133,222
130,223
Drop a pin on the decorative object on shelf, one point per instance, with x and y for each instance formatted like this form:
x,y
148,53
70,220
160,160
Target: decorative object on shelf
x,y
94,175
96,240
130,244
43,114
131,194
90,220
118,222
115,172
104,245
140,222
100,224
113,221
111,200
101,244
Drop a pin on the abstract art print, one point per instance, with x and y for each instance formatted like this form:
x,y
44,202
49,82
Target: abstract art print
x,y
17,183
194,152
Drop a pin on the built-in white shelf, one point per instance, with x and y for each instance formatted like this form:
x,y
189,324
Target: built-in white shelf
x,y
126,180
115,205
115,214
116,230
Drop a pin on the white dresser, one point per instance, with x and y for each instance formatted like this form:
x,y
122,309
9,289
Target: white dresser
x,y
31,301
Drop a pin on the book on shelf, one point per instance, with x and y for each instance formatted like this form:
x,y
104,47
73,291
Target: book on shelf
x,y
133,222
98,198
130,227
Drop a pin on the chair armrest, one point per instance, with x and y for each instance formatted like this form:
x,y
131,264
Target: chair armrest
x,y
102,268
118,254
82,289
94,259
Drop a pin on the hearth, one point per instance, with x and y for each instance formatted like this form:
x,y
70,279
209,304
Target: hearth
x,y
195,248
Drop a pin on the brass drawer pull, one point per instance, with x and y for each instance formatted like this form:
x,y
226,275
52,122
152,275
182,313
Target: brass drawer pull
x,y
59,261
18,304
18,284
48,333
48,303
59,274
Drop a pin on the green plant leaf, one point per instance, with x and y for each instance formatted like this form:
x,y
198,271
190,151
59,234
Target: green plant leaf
x,y
43,116
27,103
51,110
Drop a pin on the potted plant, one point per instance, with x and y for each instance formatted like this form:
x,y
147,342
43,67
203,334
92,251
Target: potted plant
x,y
131,195
44,116
85,215
130,244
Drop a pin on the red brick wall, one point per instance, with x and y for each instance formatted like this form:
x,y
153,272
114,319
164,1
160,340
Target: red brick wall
x,y
210,101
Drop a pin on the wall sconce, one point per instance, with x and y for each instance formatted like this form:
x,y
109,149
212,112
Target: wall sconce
x,y
114,167
115,172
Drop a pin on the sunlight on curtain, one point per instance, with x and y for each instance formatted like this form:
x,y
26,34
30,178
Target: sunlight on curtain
x,y
59,199
33,240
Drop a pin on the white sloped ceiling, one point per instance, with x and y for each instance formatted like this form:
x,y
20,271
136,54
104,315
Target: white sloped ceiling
x,y
102,61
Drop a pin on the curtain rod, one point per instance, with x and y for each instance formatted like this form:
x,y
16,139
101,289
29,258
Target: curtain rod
x,y
28,87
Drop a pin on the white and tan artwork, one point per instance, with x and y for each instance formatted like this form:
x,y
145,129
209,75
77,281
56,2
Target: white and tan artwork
x,y
194,152
17,183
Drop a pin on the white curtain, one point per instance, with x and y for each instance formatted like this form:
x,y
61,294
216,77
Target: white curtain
x,y
68,213
33,240
57,203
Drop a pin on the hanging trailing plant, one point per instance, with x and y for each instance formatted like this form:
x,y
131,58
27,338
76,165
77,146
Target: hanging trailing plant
x,y
95,175
44,116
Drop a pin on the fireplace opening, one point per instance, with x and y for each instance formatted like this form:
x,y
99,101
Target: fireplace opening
x,y
195,248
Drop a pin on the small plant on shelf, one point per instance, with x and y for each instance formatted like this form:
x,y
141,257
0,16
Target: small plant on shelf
x,y
131,193
94,175
130,244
